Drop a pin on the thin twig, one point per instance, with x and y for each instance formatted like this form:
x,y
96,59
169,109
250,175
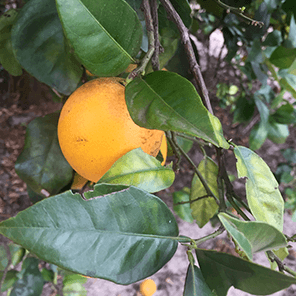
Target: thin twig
x,y
282,267
195,139
210,236
240,13
198,173
151,42
220,183
194,67
175,148
192,201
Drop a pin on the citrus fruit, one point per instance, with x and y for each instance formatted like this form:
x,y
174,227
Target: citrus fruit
x,y
95,129
148,287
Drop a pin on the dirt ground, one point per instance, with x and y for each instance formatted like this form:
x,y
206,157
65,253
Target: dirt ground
x,y
23,99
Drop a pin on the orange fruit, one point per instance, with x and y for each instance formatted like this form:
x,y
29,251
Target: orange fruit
x,y
95,129
148,287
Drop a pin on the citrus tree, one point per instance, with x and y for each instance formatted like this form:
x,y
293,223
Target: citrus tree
x,y
113,132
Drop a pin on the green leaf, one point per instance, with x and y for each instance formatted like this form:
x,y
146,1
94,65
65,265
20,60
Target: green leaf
x,y
167,101
291,41
183,210
105,35
288,81
277,132
74,278
195,284
139,169
10,279
273,39
31,282
41,164
136,6
184,11
123,237
259,132
16,252
258,136
244,110
283,57
253,236
204,209
34,197
221,271
289,7
40,47
73,285
285,114
47,275
263,195
7,58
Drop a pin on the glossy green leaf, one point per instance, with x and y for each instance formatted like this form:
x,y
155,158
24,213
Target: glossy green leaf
x,y
41,164
167,101
277,132
31,282
195,284
253,236
283,57
139,169
204,209
10,279
105,35
123,236
41,49
183,210
7,58
263,195
221,271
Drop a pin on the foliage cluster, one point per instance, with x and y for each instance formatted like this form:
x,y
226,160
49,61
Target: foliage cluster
x,y
120,230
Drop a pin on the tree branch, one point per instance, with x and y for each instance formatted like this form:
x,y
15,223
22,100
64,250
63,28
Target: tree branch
x,y
194,67
155,57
